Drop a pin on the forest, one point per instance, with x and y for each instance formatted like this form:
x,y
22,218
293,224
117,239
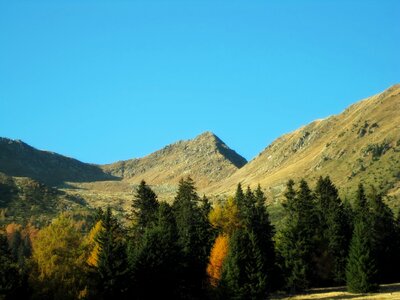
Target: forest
x,y
191,249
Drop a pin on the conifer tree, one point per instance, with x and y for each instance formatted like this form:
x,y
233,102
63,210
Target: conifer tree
x,y
297,238
248,270
144,207
361,269
154,261
383,230
333,233
218,254
57,256
194,237
111,266
10,279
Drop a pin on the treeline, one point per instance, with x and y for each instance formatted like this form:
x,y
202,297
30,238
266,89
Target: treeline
x,y
191,250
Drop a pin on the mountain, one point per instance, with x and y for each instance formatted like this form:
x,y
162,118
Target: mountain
x,y
206,158
24,199
20,159
362,144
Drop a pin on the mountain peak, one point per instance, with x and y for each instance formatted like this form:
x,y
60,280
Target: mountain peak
x,y
207,136
206,158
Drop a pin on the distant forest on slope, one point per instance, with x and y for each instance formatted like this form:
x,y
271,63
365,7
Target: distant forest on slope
x,y
192,250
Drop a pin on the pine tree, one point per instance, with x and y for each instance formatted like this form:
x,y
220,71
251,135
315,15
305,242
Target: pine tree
x,y
361,269
333,236
10,279
111,266
144,207
234,273
360,203
297,238
194,237
249,268
154,262
383,230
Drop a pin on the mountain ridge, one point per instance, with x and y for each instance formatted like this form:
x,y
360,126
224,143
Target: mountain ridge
x,y
206,158
360,144
19,159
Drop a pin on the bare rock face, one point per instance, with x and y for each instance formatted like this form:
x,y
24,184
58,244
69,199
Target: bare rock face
x,y
206,158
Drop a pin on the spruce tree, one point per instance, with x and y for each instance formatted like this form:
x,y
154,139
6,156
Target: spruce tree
x,y
333,233
361,269
111,264
10,278
154,263
297,238
249,268
144,207
194,237
234,282
383,230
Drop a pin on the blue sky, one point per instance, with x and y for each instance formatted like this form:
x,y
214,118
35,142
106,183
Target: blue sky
x,y
108,80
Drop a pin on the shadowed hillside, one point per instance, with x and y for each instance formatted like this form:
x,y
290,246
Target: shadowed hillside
x,y
20,159
24,199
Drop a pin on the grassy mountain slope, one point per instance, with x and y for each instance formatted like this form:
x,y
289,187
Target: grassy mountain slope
x,y
362,144
20,159
205,158
23,199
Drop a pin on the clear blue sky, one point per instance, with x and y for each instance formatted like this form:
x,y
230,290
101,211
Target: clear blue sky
x,y
108,80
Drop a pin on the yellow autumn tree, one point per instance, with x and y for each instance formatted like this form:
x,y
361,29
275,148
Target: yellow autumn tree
x,y
92,247
225,217
217,257
57,254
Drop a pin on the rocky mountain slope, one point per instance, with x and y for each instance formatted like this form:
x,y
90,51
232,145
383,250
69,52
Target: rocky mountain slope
x,y
19,159
205,158
362,144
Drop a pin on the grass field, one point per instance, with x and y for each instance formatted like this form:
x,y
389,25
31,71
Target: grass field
x,y
387,291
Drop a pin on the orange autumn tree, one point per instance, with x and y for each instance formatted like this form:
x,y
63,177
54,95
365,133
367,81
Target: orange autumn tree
x,y
217,257
225,218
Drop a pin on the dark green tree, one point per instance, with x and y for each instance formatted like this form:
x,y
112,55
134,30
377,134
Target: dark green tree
x,y
383,230
144,207
249,269
10,278
396,241
297,238
154,261
333,234
361,269
194,238
112,266
236,281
